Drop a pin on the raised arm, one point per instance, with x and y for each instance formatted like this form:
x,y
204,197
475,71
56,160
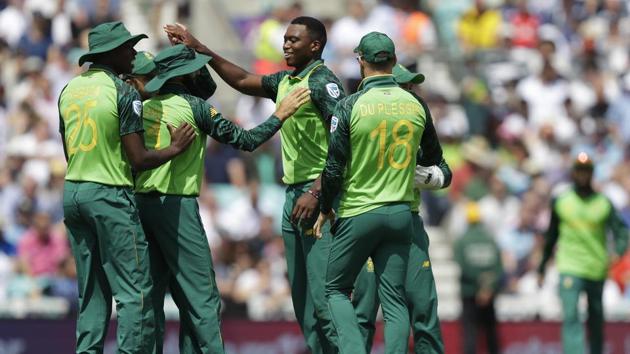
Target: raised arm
x,y
237,77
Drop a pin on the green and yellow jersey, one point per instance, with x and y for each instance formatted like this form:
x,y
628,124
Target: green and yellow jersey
x,y
579,226
305,136
96,108
175,105
373,150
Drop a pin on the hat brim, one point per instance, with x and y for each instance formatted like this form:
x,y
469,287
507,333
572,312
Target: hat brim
x,y
110,46
157,82
409,77
145,69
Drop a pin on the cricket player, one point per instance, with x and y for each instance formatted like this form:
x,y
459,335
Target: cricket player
x,y
167,195
304,148
432,172
143,70
371,161
580,219
100,122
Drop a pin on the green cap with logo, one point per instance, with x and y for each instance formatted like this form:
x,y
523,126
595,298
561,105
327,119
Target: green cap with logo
x,y
108,36
402,75
376,47
143,64
175,61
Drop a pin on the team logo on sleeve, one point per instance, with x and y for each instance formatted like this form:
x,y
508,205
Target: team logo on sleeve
x,y
213,112
137,107
333,90
334,122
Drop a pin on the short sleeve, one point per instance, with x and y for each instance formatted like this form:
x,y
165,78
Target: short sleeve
x,y
271,82
129,109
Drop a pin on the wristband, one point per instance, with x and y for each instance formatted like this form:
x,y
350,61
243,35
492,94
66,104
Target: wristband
x,y
315,195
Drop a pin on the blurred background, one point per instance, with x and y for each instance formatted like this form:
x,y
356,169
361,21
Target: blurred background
x,y
516,88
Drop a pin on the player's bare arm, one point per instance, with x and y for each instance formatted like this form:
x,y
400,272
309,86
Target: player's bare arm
x,y
142,159
237,77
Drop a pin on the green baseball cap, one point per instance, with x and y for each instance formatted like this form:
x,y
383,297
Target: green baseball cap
x,y
143,64
403,76
376,47
175,61
108,36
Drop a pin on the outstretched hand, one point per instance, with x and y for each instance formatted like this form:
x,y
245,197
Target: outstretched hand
x,y
179,34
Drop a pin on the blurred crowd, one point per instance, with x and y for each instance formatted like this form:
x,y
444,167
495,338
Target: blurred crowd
x,y
516,88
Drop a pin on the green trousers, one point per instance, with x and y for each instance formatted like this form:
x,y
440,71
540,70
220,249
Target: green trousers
x,y
307,258
572,331
112,259
365,302
420,292
181,260
384,234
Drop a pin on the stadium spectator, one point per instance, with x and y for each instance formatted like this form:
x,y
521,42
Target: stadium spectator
x,y
479,28
41,248
479,259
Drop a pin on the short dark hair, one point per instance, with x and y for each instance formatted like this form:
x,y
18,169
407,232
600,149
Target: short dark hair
x,y
316,29
383,65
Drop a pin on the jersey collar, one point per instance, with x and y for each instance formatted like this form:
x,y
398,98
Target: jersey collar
x,y
102,67
174,88
386,80
306,70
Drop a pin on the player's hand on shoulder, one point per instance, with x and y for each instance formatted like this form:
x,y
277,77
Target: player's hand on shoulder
x,y
292,102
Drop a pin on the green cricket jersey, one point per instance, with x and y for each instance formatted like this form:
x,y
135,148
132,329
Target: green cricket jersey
x,y
305,137
96,108
374,142
479,259
579,225
183,174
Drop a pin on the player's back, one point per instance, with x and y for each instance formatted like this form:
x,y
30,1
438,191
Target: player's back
x,y
182,174
386,124
90,124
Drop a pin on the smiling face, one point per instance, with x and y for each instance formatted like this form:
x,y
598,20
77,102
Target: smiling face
x,y
299,48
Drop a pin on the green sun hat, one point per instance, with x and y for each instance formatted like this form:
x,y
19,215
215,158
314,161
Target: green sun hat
x,y
175,61
403,76
376,47
143,64
108,36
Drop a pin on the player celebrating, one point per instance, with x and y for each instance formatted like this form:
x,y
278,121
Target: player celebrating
x,y
580,218
101,127
431,173
371,160
167,195
304,148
